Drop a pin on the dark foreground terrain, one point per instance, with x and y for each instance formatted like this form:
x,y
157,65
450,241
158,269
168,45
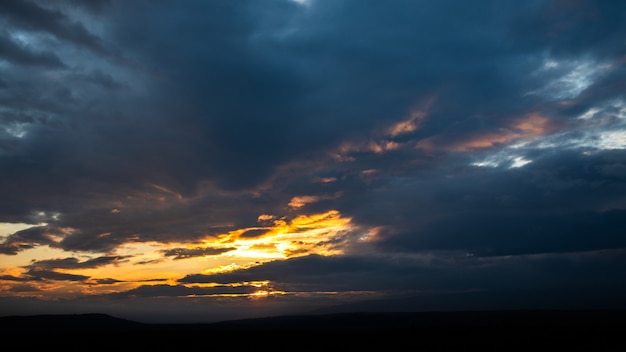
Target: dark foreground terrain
x,y
423,331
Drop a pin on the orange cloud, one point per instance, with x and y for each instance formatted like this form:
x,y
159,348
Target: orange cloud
x,y
382,140
265,217
533,125
407,126
300,201
526,127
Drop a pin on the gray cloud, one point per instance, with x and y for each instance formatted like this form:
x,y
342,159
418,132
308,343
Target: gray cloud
x,y
559,202
493,129
184,253
435,272
74,263
28,238
15,53
178,291
38,275
30,16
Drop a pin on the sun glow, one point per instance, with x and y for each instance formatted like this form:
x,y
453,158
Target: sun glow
x,y
304,234
260,294
155,263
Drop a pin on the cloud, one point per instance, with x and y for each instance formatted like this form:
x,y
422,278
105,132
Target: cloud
x,y
16,53
184,253
559,202
430,272
324,146
30,16
38,275
74,263
29,238
178,291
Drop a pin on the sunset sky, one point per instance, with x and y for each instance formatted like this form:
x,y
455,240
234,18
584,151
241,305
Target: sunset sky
x,y
185,161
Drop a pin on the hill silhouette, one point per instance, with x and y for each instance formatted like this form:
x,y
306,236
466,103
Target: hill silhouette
x,y
510,330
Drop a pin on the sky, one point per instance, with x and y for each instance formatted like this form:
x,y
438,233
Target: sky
x,y
198,161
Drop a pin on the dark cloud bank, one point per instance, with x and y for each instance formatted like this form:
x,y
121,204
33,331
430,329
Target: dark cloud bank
x,y
229,109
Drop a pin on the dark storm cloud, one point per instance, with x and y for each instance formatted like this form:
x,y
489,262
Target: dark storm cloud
x,y
254,233
14,278
575,27
238,103
24,288
430,272
307,270
91,5
560,202
39,275
28,238
318,75
99,78
506,234
109,281
182,291
15,53
28,15
160,216
184,253
74,263
241,106
41,270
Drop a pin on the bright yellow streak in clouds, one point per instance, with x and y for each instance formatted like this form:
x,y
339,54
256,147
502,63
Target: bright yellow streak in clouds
x,y
147,263
305,234
227,268
261,294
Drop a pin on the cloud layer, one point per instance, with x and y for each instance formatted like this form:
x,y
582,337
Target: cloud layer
x,y
323,146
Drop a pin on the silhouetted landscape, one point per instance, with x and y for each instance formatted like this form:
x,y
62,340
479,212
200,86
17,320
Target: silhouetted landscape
x,y
512,330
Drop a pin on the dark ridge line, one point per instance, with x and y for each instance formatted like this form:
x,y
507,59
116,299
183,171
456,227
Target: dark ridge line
x,y
355,321
414,331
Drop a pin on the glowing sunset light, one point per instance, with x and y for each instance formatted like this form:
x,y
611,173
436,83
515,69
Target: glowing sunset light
x,y
135,264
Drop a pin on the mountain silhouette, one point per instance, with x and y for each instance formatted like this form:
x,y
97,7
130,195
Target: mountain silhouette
x,y
510,330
